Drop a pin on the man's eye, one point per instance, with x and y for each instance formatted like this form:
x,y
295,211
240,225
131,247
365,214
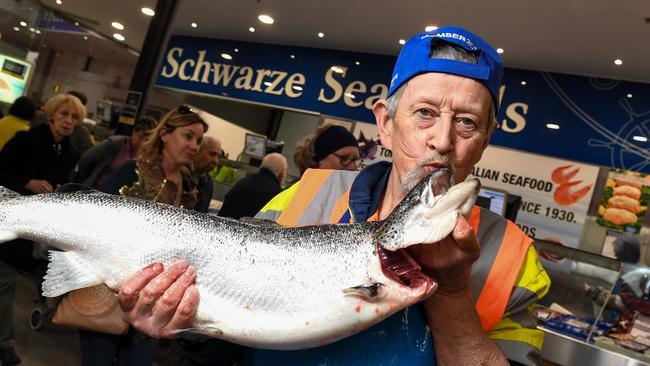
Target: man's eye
x,y
467,122
424,112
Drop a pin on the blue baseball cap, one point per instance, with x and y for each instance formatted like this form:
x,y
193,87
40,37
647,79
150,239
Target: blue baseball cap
x,y
414,60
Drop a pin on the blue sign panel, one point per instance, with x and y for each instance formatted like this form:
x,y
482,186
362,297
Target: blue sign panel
x,y
50,21
604,122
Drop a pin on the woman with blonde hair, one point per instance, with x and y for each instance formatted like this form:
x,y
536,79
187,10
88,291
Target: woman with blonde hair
x,y
160,173
330,147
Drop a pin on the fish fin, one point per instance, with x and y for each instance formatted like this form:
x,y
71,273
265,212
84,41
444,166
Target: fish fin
x,y
207,330
6,236
75,187
259,222
67,271
366,292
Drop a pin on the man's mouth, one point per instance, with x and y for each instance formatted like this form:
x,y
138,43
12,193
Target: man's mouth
x,y
434,166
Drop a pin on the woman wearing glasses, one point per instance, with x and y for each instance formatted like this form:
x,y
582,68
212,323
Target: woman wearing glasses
x,y
160,173
330,147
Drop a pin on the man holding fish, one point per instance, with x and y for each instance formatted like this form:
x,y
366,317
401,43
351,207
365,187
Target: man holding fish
x,y
440,113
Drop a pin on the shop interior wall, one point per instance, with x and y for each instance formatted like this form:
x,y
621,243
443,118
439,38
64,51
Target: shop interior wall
x,y
294,127
232,136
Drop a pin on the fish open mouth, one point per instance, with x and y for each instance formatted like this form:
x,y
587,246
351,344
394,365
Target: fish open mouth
x,y
400,267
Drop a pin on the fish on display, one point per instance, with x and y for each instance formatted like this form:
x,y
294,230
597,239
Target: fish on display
x,y
261,285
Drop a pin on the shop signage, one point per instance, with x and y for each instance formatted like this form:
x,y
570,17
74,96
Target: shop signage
x,y
555,193
597,121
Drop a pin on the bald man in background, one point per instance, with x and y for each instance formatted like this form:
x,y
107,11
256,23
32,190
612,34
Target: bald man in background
x,y
252,192
205,161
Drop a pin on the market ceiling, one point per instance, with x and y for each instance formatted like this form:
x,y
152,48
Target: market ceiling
x,y
583,37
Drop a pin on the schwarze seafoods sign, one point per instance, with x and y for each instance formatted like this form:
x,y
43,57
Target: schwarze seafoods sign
x,y
599,120
555,193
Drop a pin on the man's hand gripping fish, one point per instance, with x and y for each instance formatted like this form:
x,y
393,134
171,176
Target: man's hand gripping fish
x,y
261,285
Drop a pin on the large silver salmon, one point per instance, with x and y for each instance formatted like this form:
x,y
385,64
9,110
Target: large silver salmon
x,y
261,285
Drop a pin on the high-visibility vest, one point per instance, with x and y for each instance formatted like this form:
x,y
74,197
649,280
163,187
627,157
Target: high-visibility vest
x,y
322,197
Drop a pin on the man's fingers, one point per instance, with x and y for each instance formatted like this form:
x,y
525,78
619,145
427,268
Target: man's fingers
x,y
464,236
186,310
156,287
168,302
130,289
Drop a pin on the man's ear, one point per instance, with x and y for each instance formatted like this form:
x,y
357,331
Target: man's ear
x,y
384,123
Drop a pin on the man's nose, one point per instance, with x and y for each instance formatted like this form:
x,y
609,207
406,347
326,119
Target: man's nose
x,y
441,138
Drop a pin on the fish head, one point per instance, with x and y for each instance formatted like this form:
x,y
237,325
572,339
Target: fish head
x,y
429,212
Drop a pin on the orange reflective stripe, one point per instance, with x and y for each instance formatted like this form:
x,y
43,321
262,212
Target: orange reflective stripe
x,y
475,218
304,195
494,297
340,208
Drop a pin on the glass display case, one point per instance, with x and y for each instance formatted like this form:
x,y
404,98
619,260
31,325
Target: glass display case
x,y
597,309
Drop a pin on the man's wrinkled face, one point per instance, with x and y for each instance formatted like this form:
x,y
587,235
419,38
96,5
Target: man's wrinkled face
x,y
440,119
208,158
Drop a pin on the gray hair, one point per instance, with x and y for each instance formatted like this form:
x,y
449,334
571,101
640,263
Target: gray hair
x,y
446,52
209,141
276,163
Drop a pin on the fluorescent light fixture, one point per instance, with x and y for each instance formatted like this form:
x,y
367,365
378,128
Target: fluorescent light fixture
x,y
430,28
194,25
118,36
226,56
337,69
148,11
402,42
117,25
629,95
321,34
23,23
251,29
640,138
553,126
618,62
266,19
499,50
297,87
523,82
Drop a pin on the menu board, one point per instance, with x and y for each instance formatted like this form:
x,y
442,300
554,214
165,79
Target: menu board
x,y
14,74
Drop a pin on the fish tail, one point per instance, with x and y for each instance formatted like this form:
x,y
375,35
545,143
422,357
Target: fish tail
x,y
6,194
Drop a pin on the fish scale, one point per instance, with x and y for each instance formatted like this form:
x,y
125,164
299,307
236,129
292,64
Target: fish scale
x,y
260,284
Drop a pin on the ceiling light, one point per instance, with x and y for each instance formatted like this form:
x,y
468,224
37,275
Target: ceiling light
x,y
267,83
337,69
194,25
349,95
293,56
16,29
321,34
118,36
148,11
499,50
31,29
523,82
38,31
76,24
401,41
23,23
430,28
226,56
236,49
266,19
297,87
85,38
117,25
251,29
629,95
640,138
357,63
59,2
618,62
553,126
